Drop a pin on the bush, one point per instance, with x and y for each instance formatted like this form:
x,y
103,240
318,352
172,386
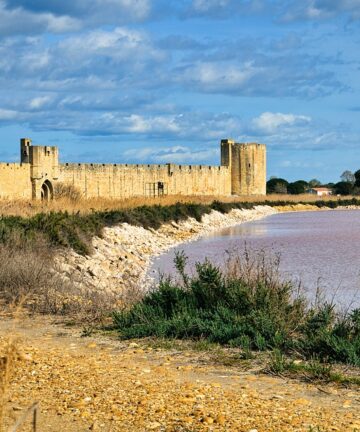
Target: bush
x,y
66,191
246,305
249,302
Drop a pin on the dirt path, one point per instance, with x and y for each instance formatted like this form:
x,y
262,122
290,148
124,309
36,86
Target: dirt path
x,y
101,384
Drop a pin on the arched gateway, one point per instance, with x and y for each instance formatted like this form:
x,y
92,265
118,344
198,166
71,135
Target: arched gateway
x,y
47,191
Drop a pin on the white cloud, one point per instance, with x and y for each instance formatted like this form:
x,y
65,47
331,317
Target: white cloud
x,y
174,154
23,17
206,5
120,44
220,9
156,124
321,9
21,21
218,77
181,126
39,102
6,114
113,10
269,122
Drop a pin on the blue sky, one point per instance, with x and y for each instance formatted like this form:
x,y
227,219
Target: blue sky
x,y
151,81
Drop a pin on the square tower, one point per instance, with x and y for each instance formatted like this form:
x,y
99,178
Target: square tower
x,y
247,163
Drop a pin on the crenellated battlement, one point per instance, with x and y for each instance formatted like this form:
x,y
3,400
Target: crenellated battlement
x,y
242,171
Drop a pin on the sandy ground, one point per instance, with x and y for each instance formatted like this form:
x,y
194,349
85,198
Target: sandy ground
x,y
99,383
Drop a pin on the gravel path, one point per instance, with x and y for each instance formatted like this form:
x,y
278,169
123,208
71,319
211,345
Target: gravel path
x,y
101,384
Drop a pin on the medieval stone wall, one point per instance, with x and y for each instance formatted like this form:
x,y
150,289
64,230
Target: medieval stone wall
x,y
124,181
242,172
15,182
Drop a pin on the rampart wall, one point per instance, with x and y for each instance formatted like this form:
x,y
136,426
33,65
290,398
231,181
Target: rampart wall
x,y
242,172
15,182
124,180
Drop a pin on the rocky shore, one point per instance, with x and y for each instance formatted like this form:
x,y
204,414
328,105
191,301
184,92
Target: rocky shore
x,y
123,255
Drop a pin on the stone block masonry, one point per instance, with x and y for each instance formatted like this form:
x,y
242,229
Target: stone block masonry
x,y
242,172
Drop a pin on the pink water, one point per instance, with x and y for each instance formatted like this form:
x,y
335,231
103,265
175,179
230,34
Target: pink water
x,y
322,249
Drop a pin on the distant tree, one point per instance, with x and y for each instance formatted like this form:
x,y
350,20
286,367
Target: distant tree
x,y
314,183
280,188
297,187
276,185
347,176
357,178
356,190
343,188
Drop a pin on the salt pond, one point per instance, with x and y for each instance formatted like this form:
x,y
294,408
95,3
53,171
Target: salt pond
x,y
320,248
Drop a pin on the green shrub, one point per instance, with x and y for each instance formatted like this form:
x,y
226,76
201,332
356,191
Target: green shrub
x,y
247,305
223,308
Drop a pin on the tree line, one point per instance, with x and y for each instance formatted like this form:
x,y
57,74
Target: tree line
x,y
349,184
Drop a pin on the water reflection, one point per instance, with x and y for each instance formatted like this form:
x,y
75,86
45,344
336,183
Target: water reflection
x,y
318,248
247,229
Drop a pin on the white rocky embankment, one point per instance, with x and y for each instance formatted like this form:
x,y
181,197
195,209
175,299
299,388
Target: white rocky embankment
x,y
122,256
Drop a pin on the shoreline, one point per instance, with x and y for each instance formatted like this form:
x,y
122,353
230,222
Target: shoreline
x,y
123,256
121,259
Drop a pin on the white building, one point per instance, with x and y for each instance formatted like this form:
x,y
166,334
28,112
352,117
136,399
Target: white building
x,y
320,191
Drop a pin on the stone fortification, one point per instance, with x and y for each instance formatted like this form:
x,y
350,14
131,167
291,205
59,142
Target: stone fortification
x,y
242,172
247,164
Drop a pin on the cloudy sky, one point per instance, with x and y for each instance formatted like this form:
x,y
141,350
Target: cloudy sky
x,y
150,81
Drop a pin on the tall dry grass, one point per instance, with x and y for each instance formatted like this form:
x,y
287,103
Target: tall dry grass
x,y
8,357
27,208
31,280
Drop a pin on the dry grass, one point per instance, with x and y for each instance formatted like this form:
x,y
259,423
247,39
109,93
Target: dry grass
x,y
8,357
11,355
66,192
30,280
84,206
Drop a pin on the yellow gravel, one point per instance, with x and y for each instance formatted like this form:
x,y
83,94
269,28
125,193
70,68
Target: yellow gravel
x,y
101,384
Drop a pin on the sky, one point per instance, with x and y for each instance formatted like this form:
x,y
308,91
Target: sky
x,y
156,81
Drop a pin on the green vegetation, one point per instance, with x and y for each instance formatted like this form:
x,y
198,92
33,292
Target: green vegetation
x,y
298,187
248,306
277,185
312,370
349,185
76,230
